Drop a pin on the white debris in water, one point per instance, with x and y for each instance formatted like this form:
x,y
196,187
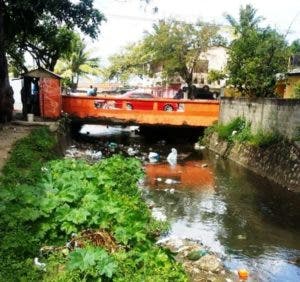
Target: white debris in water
x,y
158,179
197,146
71,152
94,155
131,151
153,157
172,157
171,181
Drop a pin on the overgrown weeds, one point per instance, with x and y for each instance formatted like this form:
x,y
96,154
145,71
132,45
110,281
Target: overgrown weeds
x,y
239,131
91,218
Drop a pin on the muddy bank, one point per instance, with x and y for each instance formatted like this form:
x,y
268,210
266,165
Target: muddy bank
x,y
279,162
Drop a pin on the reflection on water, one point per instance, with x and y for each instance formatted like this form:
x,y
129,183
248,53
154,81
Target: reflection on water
x,y
249,220
190,175
243,217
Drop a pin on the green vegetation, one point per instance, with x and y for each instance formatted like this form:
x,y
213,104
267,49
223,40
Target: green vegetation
x,y
77,63
255,56
20,175
97,207
172,45
295,46
42,28
239,131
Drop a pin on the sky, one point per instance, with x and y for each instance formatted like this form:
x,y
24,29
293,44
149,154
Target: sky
x,y
128,19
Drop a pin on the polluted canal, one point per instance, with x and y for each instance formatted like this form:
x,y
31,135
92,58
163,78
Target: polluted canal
x,y
247,221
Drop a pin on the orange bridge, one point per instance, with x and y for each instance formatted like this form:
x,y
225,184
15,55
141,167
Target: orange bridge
x,y
144,111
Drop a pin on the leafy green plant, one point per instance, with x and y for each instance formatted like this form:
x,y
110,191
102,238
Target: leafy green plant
x,y
28,156
265,139
19,208
231,130
239,130
68,196
92,262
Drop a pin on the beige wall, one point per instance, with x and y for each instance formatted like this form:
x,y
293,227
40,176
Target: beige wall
x,y
282,115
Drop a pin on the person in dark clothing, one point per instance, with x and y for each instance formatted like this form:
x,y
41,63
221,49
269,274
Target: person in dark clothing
x,y
204,93
179,94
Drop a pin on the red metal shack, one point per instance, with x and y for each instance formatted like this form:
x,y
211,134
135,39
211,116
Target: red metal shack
x,y
41,93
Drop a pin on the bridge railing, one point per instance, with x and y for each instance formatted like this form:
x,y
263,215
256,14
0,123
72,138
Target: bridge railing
x,y
148,111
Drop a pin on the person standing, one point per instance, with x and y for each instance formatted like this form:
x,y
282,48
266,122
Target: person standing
x,y
90,91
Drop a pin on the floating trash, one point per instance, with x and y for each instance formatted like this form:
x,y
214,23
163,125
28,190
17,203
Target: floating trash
x,y
171,181
172,157
197,146
243,274
94,155
153,157
131,151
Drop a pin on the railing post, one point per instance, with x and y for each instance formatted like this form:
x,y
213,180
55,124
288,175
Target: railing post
x,y
155,106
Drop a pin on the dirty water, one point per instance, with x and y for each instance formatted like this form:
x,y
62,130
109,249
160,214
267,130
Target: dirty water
x,y
248,221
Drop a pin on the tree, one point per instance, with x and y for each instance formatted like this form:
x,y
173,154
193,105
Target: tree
x,y
174,45
45,48
77,63
24,19
255,56
132,61
295,46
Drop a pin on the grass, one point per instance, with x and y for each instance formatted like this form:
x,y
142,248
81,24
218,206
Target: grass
x,y
239,131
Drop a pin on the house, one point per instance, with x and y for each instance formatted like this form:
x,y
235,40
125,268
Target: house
x,y
213,59
286,83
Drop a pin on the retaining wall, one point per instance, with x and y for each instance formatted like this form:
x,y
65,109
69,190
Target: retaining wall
x,y
279,162
281,115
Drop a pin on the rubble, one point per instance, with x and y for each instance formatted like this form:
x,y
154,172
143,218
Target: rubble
x,y
199,263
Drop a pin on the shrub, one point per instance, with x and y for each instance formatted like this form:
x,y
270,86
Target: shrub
x,y
265,139
232,130
239,130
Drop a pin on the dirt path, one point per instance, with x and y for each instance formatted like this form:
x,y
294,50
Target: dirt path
x,y
9,134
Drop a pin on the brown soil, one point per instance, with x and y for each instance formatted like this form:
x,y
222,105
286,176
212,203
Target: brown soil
x,y
9,134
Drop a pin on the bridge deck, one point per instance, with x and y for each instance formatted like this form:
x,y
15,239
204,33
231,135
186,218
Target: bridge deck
x,y
190,112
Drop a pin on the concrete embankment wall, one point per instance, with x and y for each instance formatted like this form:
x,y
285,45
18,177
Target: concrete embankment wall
x,y
279,162
281,115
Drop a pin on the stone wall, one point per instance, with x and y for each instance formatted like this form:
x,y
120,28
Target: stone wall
x,y
279,162
281,115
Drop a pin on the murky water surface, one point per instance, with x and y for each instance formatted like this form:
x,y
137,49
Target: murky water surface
x,y
249,221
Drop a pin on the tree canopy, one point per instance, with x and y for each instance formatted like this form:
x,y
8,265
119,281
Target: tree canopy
x,y
174,46
295,46
77,63
256,55
40,27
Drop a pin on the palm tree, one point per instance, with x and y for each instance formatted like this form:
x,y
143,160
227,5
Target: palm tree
x,y
76,64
